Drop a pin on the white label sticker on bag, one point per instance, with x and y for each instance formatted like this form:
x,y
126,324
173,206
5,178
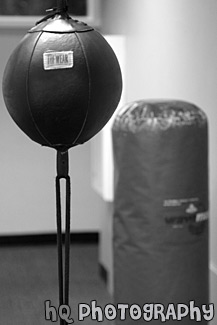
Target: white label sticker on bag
x,y
58,60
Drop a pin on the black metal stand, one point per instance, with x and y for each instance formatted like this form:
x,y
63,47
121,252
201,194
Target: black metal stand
x,y
63,272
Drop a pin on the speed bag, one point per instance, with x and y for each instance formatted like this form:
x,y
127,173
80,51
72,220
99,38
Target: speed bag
x,y
161,212
62,83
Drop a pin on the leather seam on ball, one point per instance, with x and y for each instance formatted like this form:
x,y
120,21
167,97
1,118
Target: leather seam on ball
x,y
27,93
89,88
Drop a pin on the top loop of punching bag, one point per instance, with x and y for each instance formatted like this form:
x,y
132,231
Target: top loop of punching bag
x,y
62,83
62,5
62,8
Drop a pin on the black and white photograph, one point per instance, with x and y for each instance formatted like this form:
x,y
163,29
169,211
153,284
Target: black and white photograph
x,y
108,162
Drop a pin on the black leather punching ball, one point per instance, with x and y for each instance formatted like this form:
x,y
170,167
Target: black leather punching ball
x,y
161,209
62,83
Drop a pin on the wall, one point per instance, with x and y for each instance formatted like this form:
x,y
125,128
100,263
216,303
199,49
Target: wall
x,y
171,50
27,174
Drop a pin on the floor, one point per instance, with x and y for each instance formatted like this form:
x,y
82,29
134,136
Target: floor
x,y
28,278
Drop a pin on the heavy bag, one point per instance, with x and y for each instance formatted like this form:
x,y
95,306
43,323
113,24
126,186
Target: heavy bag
x,y
62,83
161,211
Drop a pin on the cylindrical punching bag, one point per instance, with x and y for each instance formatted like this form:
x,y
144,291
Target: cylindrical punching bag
x,y
62,83
161,208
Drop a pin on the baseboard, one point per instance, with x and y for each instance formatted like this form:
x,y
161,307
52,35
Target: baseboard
x,y
43,239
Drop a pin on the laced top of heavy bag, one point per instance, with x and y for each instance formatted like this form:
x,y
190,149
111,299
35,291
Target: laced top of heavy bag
x,y
157,115
63,82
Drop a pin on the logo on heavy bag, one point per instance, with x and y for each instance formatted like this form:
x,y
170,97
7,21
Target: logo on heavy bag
x,y
184,212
